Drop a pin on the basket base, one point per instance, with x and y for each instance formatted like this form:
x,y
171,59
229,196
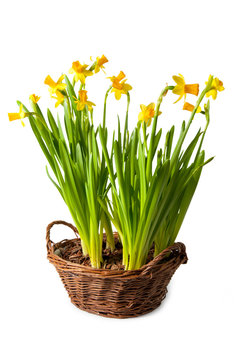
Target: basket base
x,y
131,314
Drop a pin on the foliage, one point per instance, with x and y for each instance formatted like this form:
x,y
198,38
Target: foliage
x,y
141,187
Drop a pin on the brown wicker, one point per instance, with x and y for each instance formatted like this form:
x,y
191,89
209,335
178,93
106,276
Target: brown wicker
x,y
116,293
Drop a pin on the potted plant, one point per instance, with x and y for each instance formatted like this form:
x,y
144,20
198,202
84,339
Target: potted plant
x,y
133,182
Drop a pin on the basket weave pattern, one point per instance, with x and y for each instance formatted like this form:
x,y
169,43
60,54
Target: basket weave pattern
x,y
116,293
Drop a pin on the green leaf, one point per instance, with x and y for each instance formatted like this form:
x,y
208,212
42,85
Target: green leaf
x,y
57,186
52,123
72,96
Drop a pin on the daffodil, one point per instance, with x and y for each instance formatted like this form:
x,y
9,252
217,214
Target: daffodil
x,y
80,71
147,113
116,79
190,107
34,98
119,85
18,116
55,86
217,85
182,88
59,97
83,101
100,61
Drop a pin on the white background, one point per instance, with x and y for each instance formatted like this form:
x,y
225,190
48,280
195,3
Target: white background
x,y
150,41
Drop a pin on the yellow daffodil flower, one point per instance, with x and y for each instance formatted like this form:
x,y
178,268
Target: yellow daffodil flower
x,y
190,107
59,97
116,79
55,86
83,101
100,61
147,113
18,116
119,85
217,85
182,89
34,98
80,71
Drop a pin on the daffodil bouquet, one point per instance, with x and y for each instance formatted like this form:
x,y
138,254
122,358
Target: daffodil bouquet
x,y
140,187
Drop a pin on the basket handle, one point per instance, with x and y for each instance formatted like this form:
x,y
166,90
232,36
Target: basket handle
x,y
49,242
177,249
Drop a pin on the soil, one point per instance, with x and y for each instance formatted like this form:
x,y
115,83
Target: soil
x,y
112,260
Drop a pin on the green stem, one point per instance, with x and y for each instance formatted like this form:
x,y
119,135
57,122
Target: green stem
x,y
145,138
92,68
207,115
69,107
104,114
151,145
84,248
126,121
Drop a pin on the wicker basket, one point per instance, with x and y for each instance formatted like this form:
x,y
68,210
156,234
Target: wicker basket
x,y
116,293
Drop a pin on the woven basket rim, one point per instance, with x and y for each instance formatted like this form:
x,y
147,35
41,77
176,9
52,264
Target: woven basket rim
x,y
175,249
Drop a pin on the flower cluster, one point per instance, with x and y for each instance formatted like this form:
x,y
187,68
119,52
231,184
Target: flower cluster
x,y
119,87
182,89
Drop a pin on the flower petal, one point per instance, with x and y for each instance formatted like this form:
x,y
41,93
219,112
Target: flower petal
x,y
117,94
141,116
179,80
151,106
178,90
81,77
180,97
60,79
